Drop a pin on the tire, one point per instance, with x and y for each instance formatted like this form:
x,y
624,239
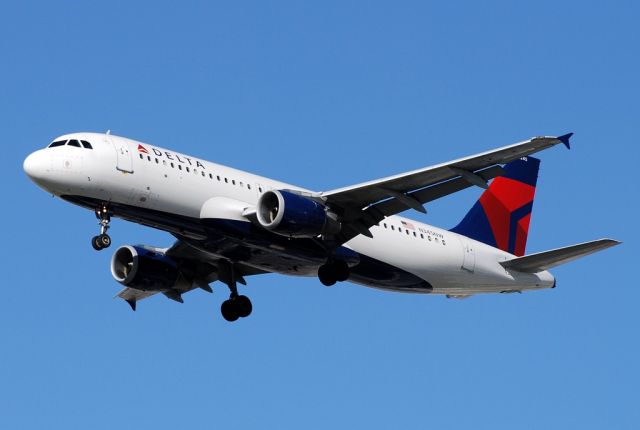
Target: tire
x,y
341,270
326,275
229,311
243,306
95,243
105,240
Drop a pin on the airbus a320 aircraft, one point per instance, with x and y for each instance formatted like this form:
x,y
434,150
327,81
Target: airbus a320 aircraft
x,y
231,224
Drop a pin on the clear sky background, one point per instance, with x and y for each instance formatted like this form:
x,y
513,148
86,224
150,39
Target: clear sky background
x,y
323,96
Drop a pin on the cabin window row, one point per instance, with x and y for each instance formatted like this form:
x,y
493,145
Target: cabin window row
x,y
412,232
195,171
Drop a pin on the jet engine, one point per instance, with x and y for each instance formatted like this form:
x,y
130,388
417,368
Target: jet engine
x,y
293,215
143,268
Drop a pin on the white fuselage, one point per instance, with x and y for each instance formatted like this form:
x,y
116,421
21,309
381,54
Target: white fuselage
x,y
136,174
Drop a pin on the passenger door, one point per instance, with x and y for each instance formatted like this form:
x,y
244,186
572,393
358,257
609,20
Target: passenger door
x,y
124,156
469,255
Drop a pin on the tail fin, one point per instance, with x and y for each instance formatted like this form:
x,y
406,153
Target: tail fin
x,y
501,216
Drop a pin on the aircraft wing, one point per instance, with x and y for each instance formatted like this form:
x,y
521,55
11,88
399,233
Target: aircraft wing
x,y
364,205
197,270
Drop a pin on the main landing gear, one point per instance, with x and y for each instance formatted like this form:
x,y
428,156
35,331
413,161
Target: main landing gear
x,y
102,240
333,271
237,306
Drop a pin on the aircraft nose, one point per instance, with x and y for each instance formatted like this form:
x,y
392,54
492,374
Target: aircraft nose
x,y
35,165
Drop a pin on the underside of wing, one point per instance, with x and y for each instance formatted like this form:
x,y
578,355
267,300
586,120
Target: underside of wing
x,y
195,269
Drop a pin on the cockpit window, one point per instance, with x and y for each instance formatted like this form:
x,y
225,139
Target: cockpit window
x,y
73,142
86,144
57,143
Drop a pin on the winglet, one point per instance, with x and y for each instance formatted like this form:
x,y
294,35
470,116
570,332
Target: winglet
x,y
565,139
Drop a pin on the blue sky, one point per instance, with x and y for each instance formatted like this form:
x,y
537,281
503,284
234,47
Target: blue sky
x,y
323,96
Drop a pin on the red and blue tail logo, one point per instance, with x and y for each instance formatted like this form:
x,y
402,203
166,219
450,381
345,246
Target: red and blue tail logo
x,y
501,216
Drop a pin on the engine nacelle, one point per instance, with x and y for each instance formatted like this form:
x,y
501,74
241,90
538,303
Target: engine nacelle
x,y
143,269
293,215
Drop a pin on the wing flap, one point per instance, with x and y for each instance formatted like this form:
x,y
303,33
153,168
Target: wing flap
x,y
540,261
132,296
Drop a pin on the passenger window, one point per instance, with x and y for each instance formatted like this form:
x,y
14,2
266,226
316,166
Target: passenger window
x,y
157,161
218,176
141,157
233,181
421,236
172,165
179,166
226,180
58,143
385,224
187,168
203,174
393,228
148,158
210,176
248,186
414,234
74,142
86,144
407,231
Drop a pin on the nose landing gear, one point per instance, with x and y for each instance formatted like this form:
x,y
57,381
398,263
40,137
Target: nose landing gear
x,y
102,240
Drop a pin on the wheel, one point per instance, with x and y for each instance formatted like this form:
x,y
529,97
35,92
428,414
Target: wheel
x,y
243,306
229,310
105,240
340,270
95,242
326,275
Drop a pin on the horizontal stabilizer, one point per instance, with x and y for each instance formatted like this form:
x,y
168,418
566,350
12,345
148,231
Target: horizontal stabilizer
x,y
540,261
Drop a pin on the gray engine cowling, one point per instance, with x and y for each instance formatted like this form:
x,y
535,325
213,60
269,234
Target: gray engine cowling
x,y
143,269
294,215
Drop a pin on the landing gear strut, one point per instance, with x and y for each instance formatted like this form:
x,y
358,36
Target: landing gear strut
x,y
102,240
237,306
333,271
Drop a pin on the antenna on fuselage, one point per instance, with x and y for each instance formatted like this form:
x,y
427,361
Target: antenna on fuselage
x,y
108,132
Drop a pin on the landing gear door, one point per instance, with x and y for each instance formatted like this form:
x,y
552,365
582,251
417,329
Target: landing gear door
x,y
469,255
124,156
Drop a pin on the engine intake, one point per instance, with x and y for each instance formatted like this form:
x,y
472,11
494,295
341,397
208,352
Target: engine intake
x,y
143,269
293,215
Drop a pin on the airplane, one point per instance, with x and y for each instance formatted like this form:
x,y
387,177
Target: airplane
x,y
230,224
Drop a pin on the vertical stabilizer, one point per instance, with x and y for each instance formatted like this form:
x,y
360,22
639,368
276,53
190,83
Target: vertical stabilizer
x,y
501,216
